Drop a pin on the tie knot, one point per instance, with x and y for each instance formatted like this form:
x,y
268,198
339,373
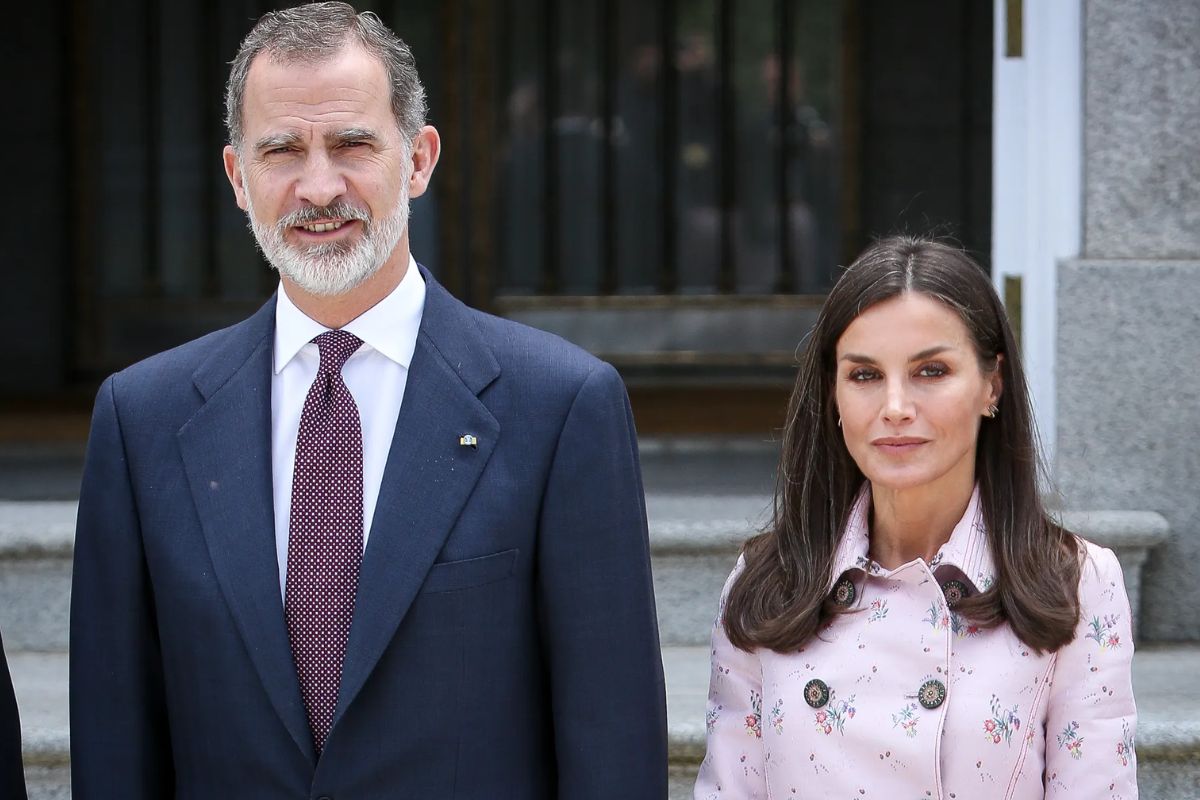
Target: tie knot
x,y
336,347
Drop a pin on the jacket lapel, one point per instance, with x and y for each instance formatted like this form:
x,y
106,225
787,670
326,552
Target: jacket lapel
x,y
428,477
226,448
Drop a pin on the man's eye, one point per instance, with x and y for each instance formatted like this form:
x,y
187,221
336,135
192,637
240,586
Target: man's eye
x,y
275,151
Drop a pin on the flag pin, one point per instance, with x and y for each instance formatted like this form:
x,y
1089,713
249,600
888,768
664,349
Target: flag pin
x,y
468,440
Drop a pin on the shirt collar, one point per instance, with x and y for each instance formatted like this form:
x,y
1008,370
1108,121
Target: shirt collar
x,y
390,326
967,549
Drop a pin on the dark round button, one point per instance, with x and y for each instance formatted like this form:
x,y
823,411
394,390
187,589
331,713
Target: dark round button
x,y
954,591
931,694
844,592
816,693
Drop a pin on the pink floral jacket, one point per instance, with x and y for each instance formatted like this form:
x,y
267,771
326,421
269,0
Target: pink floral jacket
x,y
905,700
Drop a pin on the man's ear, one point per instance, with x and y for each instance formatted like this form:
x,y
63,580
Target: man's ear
x,y
233,171
427,148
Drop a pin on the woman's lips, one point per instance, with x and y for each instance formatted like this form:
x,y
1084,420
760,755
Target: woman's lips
x,y
898,444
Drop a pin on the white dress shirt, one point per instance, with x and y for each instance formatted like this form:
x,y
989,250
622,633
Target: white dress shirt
x,y
375,375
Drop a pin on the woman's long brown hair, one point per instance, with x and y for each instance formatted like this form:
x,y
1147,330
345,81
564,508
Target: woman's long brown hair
x,y
780,599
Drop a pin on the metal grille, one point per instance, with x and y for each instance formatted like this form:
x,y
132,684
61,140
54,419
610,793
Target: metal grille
x,y
685,146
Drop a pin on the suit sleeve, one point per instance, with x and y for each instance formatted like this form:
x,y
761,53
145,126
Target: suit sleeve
x,y
120,744
596,605
1090,717
733,765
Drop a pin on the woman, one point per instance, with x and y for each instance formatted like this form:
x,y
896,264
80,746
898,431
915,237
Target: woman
x,y
913,625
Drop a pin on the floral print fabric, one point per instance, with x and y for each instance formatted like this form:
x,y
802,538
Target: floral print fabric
x,y
1012,723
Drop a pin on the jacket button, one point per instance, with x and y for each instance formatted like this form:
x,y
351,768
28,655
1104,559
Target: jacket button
x,y
844,592
954,591
931,694
816,693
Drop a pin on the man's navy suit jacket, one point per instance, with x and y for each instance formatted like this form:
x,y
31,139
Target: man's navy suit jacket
x,y
504,642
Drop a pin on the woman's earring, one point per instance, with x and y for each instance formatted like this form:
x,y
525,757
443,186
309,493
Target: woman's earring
x,y
839,420
992,411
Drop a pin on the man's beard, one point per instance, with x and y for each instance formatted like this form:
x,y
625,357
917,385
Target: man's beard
x,y
332,268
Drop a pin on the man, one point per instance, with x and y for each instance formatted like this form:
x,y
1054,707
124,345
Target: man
x,y
368,543
12,775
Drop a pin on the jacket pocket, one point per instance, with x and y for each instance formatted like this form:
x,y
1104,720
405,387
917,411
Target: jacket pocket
x,y
452,576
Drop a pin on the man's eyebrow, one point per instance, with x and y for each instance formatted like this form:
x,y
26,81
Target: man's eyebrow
x,y
928,352
352,135
276,140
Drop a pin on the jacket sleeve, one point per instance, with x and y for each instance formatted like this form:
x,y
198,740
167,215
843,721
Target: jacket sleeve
x,y
734,763
596,605
1090,716
120,744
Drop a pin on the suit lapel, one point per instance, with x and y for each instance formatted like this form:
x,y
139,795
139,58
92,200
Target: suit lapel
x,y
428,478
226,449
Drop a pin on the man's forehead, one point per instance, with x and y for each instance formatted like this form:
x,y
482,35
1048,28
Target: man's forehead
x,y
349,84
351,69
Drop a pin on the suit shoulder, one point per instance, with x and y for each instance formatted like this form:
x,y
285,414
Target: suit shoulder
x,y
525,349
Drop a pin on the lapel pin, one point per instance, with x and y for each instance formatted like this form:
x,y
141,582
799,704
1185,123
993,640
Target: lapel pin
x,y
468,440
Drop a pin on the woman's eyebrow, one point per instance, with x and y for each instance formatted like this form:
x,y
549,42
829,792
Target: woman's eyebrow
x,y
928,352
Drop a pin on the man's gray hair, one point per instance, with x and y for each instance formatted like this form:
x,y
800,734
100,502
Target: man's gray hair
x,y
314,33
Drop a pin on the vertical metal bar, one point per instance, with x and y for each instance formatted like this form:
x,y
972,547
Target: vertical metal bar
x,y
152,186
551,279
76,296
785,125
480,62
609,275
726,180
451,183
967,77
503,125
210,72
668,146
1014,29
853,94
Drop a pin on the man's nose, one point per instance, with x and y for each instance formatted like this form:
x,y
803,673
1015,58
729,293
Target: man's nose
x,y
322,182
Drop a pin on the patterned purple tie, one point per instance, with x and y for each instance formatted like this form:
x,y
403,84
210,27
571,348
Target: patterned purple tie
x,y
325,539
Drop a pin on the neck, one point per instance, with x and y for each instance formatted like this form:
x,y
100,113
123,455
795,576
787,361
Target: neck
x,y
337,311
908,524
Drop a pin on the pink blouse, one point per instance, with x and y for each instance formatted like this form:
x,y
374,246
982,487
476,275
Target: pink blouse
x,y
903,699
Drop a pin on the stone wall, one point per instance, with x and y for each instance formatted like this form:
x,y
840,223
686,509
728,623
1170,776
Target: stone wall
x,y
1142,129
1129,415
1128,362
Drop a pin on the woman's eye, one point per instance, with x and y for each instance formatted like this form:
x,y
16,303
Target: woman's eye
x,y
863,374
932,371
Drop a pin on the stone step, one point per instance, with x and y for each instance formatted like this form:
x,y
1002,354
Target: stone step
x,y
694,542
36,544
1168,702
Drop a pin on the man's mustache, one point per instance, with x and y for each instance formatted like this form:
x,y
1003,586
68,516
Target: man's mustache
x,y
310,214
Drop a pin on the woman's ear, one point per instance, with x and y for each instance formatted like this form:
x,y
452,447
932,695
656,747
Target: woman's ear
x,y
996,380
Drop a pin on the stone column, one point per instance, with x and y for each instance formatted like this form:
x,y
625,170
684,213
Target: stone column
x,y
1128,357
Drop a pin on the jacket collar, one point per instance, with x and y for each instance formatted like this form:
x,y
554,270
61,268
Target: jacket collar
x,y
967,549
